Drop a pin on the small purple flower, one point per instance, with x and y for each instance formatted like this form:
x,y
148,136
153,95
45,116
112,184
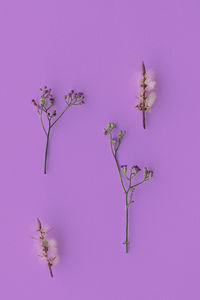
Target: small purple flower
x,y
127,178
136,169
124,168
45,108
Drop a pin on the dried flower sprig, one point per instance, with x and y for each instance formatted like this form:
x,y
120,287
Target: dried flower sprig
x,y
147,96
127,177
45,106
46,248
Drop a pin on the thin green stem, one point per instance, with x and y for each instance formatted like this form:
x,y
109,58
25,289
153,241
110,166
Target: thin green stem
x,y
127,222
68,106
119,143
46,150
114,153
50,269
144,180
42,121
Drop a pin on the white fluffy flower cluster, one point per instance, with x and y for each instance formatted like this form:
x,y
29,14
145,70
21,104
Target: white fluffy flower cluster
x,y
147,95
48,251
46,247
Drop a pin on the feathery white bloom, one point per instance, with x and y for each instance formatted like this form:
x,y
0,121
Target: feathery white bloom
x,y
149,81
53,251
46,248
146,96
150,101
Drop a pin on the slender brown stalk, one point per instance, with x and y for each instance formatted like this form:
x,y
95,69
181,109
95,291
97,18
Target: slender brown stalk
x,y
143,95
50,269
44,246
146,94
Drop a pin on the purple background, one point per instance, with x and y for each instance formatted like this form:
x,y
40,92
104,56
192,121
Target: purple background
x,y
97,47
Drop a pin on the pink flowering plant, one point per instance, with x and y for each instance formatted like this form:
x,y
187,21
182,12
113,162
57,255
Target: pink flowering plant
x,y
45,108
127,176
147,95
46,248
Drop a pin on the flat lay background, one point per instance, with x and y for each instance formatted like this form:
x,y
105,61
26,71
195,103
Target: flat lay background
x,y
97,47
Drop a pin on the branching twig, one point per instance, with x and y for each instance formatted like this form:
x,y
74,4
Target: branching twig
x,y
47,247
46,103
126,177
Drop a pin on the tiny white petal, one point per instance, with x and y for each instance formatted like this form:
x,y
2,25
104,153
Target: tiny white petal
x,y
151,99
52,243
53,251
150,85
149,75
149,81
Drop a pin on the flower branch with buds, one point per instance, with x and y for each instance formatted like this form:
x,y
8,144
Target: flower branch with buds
x,y
127,177
147,96
45,107
46,248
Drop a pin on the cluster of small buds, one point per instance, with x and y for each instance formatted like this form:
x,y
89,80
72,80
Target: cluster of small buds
x,y
147,96
73,98
44,107
109,129
147,174
46,96
46,248
135,169
46,101
121,134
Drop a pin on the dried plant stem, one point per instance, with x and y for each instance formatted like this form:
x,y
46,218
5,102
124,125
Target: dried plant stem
x,y
48,261
129,187
45,249
114,152
47,133
127,207
50,269
143,117
143,95
46,149
45,106
68,106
